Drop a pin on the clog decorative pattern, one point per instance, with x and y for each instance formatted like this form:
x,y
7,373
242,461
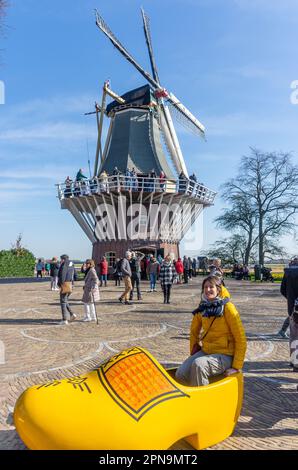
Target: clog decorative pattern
x,y
136,383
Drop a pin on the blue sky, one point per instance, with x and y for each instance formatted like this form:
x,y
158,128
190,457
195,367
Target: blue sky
x,y
231,62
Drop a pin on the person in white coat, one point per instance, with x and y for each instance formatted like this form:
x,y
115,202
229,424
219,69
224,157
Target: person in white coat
x,y
91,291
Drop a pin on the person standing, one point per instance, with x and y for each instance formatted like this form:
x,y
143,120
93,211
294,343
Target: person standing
x,y
126,272
179,270
289,289
194,267
39,268
162,181
117,273
167,275
103,270
135,266
153,271
91,291
80,175
66,275
190,268
54,270
216,269
186,268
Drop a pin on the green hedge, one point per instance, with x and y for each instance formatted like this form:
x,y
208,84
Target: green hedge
x,y
16,263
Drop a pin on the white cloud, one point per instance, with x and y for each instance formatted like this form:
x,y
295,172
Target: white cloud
x,y
237,124
52,131
46,172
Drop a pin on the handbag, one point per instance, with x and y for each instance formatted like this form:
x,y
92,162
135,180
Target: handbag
x,y
66,287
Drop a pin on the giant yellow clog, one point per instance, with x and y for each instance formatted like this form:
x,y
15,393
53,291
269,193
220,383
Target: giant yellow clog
x,y
129,402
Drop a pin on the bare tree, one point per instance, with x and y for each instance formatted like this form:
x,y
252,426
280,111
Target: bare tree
x,y
270,182
17,246
230,250
240,218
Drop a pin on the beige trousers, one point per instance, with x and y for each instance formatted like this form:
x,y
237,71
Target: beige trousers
x,y
128,288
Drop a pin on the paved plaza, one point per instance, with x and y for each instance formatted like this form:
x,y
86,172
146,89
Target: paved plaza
x,y
37,350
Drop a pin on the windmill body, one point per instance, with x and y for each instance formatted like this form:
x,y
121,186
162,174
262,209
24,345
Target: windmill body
x,y
140,196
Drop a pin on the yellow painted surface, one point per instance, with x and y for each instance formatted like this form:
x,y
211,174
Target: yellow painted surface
x,y
130,402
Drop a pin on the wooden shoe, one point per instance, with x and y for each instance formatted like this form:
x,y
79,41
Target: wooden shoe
x,y
129,402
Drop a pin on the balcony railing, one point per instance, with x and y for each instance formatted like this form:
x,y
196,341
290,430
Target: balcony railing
x,y
135,184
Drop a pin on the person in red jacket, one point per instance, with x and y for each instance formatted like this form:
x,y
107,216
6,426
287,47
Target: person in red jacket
x,y
103,271
179,270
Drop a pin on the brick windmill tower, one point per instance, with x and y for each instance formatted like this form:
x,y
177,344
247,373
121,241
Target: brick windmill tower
x,y
140,196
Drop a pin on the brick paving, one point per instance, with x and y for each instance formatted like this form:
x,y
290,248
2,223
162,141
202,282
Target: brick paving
x,y
37,349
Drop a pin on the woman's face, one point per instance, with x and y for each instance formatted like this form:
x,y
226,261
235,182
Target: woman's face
x,y
210,291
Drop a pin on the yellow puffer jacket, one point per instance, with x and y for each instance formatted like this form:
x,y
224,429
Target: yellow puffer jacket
x,y
224,293
226,335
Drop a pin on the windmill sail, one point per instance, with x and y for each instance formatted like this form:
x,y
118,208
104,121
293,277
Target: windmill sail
x,y
106,30
149,45
183,114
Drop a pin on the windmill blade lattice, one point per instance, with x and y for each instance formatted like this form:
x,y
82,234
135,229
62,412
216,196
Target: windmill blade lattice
x,y
179,117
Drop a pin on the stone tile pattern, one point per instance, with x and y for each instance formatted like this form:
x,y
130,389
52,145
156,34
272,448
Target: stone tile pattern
x,y
38,350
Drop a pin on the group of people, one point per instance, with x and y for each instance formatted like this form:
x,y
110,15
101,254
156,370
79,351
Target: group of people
x,y
131,269
240,272
66,277
128,181
49,268
217,336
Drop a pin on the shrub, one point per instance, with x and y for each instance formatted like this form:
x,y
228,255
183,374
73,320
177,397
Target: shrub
x,y
16,263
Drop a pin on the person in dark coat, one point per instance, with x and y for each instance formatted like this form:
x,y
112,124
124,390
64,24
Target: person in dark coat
x,y
54,270
135,266
66,274
289,289
186,268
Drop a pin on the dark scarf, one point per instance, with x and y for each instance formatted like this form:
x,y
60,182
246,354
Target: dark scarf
x,y
215,308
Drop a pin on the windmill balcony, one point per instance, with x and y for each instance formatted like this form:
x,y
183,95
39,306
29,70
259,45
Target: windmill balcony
x,y
136,184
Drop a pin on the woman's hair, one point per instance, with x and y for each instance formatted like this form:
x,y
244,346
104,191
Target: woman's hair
x,y
213,280
91,262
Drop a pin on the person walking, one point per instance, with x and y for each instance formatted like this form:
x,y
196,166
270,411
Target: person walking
x,y
179,270
103,270
66,275
153,271
289,289
54,270
135,266
166,276
91,291
217,338
190,268
126,272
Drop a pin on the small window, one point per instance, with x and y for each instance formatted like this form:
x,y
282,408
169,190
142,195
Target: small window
x,y
111,258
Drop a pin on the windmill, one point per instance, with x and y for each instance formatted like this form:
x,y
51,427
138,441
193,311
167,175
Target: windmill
x,y
140,135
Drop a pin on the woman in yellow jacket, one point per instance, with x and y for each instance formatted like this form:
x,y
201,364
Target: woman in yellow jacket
x,y
217,338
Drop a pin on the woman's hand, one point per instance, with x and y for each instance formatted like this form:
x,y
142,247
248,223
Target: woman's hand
x,y
231,372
